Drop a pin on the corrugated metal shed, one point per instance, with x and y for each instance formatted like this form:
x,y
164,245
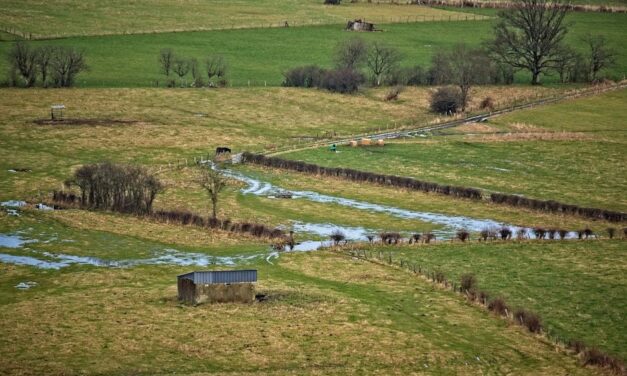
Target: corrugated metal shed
x,y
221,276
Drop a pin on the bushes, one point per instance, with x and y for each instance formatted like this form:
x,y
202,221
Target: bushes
x,y
343,81
529,320
121,188
361,176
306,76
446,100
337,236
498,306
557,207
462,235
468,282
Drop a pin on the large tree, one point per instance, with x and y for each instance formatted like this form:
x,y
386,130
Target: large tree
x,y
529,34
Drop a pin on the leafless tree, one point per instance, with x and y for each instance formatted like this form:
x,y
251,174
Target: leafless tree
x,y
196,72
43,58
180,67
600,55
463,67
216,67
381,60
65,64
351,54
529,34
166,61
22,60
565,63
213,181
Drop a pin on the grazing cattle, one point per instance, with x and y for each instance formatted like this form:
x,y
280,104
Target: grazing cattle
x,y
222,150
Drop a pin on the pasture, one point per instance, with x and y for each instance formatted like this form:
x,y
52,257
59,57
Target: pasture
x,y
572,151
577,287
258,57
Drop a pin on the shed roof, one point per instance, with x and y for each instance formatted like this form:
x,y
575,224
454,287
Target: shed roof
x,y
221,276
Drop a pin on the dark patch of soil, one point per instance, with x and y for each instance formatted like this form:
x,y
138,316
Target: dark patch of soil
x,y
71,121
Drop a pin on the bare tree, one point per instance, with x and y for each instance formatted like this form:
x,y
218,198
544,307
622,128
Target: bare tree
x,y
166,61
463,67
382,60
196,72
213,181
529,34
351,53
22,60
65,64
43,58
216,67
566,63
180,67
601,56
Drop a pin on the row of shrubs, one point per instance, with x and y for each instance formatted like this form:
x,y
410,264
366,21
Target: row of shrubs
x,y
532,321
526,318
184,217
362,176
557,207
342,80
411,183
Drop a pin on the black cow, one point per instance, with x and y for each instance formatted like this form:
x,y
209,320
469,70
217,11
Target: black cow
x,y
222,149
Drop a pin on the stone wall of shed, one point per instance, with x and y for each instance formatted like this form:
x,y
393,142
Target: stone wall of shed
x,y
225,293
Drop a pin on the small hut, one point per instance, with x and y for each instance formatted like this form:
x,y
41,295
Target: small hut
x,y
217,286
360,25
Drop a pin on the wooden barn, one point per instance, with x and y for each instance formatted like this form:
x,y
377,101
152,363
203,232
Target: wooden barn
x,y
217,286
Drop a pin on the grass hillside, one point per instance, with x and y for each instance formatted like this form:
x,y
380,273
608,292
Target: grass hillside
x,y
572,152
326,314
91,17
260,56
576,287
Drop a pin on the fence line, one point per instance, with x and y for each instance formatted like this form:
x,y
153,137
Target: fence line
x,y
283,23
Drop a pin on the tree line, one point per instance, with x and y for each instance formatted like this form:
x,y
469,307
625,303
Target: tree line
x,y
214,70
46,66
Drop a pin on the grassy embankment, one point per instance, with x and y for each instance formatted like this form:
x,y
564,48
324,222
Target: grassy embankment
x,y
572,152
577,287
261,56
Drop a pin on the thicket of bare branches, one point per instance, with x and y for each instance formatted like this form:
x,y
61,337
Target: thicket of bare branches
x,y
122,188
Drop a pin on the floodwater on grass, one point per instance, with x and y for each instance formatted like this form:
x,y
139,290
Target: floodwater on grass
x,y
166,256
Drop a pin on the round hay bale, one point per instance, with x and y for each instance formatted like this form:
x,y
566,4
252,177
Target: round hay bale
x,y
365,142
353,143
380,142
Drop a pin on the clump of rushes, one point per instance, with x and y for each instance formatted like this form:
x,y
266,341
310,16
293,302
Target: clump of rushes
x,y
595,357
562,233
552,232
539,232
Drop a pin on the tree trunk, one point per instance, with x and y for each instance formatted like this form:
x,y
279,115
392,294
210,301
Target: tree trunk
x,y
535,79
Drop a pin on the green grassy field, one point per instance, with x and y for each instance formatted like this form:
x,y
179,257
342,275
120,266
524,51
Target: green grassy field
x,y
571,152
331,314
578,288
70,17
260,56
